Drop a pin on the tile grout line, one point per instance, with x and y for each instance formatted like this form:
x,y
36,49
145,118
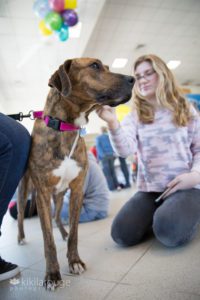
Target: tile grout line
x,y
188,293
132,266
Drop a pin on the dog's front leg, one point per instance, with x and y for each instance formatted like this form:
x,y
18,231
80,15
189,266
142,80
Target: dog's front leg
x,y
53,277
58,202
76,265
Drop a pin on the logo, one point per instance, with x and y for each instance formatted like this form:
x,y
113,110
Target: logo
x,y
34,283
14,281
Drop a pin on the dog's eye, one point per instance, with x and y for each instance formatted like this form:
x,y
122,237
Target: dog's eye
x,y
95,66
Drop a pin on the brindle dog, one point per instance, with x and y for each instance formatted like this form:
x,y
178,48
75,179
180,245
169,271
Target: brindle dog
x,y
78,87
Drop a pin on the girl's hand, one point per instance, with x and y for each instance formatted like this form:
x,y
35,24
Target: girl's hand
x,y
183,182
108,114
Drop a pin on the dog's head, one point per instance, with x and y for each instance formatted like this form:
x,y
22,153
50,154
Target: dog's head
x,y
89,80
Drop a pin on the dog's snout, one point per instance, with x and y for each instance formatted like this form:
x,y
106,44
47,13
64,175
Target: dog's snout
x,y
130,79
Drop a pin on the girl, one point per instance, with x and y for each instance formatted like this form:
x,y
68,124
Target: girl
x,y
164,130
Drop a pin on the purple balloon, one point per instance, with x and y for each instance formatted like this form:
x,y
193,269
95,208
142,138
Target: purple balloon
x,y
70,17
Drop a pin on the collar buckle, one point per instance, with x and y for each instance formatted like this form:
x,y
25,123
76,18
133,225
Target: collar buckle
x,y
53,123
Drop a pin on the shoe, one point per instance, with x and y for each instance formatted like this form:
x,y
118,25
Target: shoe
x,y
7,270
119,188
121,185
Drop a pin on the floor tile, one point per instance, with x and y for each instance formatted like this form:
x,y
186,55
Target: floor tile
x,y
148,292
148,271
164,269
29,286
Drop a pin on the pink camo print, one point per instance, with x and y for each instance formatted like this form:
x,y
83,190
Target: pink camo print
x,y
164,150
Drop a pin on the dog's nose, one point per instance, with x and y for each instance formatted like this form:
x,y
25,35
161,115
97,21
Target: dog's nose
x,y
130,79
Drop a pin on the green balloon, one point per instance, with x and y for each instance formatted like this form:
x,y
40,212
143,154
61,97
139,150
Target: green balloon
x,y
53,20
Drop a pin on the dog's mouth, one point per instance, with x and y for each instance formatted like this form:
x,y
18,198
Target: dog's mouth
x,y
106,100
118,102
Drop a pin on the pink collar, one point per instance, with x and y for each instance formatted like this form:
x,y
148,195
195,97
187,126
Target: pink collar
x,y
55,123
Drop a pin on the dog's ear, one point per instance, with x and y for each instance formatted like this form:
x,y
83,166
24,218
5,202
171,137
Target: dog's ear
x,y
60,79
107,67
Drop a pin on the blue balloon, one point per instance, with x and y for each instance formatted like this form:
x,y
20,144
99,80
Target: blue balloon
x,y
41,8
63,33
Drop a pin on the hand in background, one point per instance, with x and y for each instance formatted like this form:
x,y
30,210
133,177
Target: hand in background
x,y
183,182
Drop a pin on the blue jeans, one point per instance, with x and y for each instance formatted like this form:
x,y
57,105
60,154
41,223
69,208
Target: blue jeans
x,y
109,172
174,221
125,170
86,215
14,150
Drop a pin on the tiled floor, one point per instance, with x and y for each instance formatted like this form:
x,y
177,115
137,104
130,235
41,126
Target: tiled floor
x,y
148,271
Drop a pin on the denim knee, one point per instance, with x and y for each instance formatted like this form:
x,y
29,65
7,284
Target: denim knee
x,y
169,232
123,237
118,238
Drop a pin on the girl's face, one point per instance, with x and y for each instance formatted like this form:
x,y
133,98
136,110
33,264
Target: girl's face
x,y
146,80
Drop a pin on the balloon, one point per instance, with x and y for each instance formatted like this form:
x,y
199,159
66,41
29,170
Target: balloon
x,y
57,5
53,20
44,30
63,33
70,17
41,8
70,4
57,16
122,111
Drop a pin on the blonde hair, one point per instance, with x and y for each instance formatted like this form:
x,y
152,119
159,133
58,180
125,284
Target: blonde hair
x,y
167,93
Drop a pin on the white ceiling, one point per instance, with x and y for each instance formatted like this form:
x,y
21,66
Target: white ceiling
x,y
111,28
170,29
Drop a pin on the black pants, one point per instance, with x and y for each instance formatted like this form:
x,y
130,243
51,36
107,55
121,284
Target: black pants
x,y
109,172
30,210
125,170
174,222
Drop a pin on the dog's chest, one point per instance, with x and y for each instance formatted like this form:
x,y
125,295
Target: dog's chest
x,y
67,171
81,120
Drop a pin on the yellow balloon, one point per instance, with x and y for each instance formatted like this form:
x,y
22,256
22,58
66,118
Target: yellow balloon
x,y
70,4
43,29
122,111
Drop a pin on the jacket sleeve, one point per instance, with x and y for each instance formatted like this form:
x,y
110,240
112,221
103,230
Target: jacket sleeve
x,y
195,145
124,139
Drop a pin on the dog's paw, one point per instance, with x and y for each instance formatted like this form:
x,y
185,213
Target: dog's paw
x,y
52,281
22,242
77,267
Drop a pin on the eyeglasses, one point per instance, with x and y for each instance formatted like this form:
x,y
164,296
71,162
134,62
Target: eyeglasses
x,y
147,75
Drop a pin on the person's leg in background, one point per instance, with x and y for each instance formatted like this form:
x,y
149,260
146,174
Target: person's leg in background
x,y
14,150
125,171
134,220
86,215
112,172
177,219
107,170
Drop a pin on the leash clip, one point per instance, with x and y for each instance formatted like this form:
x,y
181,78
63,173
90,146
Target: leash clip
x,y
20,116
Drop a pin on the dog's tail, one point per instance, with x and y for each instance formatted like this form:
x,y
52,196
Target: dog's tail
x,y
26,190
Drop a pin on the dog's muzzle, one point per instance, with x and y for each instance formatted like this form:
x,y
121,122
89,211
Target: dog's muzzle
x,y
120,95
